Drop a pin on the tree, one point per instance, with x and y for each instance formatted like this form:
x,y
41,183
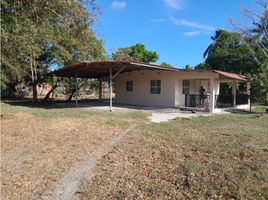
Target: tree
x,y
165,64
136,53
139,53
243,51
227,52
202,65
211,47
122,54
255,38
39,33
187,66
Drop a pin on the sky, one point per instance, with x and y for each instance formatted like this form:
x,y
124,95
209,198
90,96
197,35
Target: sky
x,y
178,30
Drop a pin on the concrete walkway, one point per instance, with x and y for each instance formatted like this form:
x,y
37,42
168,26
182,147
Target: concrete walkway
x,y
157,117
158,114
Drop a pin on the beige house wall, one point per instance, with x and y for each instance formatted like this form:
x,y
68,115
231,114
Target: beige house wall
x,y
141,94
171,87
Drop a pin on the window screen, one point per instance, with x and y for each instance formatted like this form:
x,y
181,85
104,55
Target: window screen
x,y
129,86
155,86
185,86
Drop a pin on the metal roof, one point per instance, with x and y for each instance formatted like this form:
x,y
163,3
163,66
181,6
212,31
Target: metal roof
x,y
229,75
98,69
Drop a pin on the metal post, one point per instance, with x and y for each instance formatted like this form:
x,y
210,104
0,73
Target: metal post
x,y
249,96
52,95
111,90
76,102
100,90
234,93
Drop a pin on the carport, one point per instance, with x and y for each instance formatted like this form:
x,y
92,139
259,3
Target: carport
x,y
102,70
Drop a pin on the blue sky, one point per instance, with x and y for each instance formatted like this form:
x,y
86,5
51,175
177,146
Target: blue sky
x,y
178,30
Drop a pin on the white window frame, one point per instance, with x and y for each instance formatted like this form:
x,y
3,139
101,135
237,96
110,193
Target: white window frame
x,y
209,87
186,86
155,86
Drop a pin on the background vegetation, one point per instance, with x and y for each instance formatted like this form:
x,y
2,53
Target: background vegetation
x,y
244,51
40,35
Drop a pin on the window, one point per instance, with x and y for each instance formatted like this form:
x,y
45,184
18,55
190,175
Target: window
x,y
155,86
129,86
185,86
209,89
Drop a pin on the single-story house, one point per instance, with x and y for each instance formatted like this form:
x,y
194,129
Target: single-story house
x,y
145,84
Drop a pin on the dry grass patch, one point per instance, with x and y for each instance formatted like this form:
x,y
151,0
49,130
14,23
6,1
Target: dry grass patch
x,y
39,146
219,157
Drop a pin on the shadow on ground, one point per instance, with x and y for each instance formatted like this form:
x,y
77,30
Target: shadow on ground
x,y
85,103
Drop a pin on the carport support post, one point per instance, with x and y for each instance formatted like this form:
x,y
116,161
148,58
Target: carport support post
x,y
52,95
76,102
100,90
248,93
234,93
111,90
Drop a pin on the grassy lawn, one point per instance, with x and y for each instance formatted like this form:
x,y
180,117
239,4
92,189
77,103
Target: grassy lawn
x,y
218,157
39,145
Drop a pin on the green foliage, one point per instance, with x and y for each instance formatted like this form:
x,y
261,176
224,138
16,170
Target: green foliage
x,y
227,52
135,53
244,54
165,64
36,35
139,53
187,66
202,65
122,54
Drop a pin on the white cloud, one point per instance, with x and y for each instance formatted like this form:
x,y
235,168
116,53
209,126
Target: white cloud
x,y
175,4
118,5
192,33
157,20
183,22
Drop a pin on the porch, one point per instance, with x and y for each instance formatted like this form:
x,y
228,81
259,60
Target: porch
x,y
215,95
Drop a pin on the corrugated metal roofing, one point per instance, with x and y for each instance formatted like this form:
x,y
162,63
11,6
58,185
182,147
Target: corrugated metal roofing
x,y
98,69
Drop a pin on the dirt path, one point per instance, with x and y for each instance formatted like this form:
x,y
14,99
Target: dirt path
x,y
67,188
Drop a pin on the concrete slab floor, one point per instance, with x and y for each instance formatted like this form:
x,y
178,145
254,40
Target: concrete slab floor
x,y
157,114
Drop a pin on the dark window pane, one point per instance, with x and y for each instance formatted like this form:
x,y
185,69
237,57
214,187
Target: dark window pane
x,y
129,86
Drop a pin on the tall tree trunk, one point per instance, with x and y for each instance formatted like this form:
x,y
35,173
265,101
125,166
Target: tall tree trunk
x,y
74,90
11,90
71,95
34,79
35,91
50,91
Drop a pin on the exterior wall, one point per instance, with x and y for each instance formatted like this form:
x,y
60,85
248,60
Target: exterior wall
x,y
194,78
171,87
141,94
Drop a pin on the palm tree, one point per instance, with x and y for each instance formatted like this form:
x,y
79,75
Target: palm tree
x,y
210,48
